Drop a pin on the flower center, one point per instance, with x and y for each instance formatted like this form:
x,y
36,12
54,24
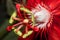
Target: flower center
x,y
42,16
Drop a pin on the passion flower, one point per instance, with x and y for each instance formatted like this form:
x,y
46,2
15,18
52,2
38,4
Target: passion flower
x,y
40,19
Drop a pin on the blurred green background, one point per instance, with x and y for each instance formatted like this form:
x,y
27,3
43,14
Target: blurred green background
x,y
6,9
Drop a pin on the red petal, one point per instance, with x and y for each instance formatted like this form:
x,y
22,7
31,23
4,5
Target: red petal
x,y
36,29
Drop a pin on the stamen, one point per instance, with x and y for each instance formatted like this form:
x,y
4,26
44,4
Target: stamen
x,y
19,28
18,19
17,24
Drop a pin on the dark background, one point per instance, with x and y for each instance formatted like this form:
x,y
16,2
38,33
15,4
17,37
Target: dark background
x,y
4,17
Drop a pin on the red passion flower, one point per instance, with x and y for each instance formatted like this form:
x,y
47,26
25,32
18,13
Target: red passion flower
x,y
44,21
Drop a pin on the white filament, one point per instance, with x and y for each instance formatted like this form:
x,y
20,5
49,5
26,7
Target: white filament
x,y
41,15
